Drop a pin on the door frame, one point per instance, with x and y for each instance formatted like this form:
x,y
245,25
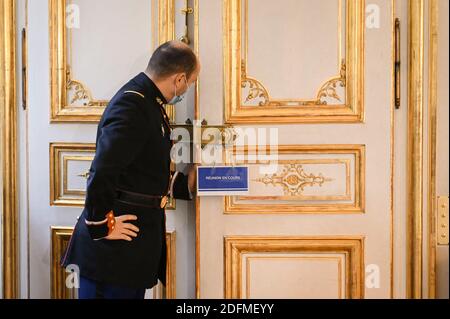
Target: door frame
x,y
421,196
9,149
433,46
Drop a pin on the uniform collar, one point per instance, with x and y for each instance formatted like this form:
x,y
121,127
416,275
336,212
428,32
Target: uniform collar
x,y
150,88
152,91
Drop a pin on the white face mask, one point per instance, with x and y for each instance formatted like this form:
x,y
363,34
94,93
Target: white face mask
x,y
178,98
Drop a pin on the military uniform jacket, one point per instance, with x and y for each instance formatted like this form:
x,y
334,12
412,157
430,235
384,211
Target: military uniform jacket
x,y
132,154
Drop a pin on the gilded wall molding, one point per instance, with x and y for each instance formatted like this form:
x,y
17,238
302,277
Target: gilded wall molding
x,y
166,21
350,78
257,90
414,259
71,99
170,290
237,246
79,92
65,91
166,32
432,142
294,180
60,155
8,147
60,237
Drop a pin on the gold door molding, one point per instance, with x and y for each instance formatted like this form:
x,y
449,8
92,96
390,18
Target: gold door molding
x,y
415,184
432,149
71,99
166,32
8,151
61,154
352,247
60,237
300,180
266,109
65,90
170,290
166,20
171,272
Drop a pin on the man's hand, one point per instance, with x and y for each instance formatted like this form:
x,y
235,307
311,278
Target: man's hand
x,y
123,230
192,179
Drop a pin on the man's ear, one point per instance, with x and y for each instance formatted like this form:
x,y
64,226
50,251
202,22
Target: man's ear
x,y
179,78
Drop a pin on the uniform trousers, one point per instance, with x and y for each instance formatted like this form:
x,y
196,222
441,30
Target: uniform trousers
x,y
90,289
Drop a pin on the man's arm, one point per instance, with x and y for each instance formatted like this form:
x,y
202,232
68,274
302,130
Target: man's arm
x,y
121,138
184,186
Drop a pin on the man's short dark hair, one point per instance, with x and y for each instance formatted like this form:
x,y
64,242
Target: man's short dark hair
x,y
171,58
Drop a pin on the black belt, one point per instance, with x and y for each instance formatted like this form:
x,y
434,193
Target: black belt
x,y
142,199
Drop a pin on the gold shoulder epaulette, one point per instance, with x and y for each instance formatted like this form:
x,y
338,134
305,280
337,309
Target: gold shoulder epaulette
x,y
159,101
134,92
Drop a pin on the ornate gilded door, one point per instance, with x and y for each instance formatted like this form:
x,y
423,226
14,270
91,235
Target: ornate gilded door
x,y
316,78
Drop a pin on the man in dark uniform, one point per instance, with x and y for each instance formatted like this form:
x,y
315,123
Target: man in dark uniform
x,y
119,240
